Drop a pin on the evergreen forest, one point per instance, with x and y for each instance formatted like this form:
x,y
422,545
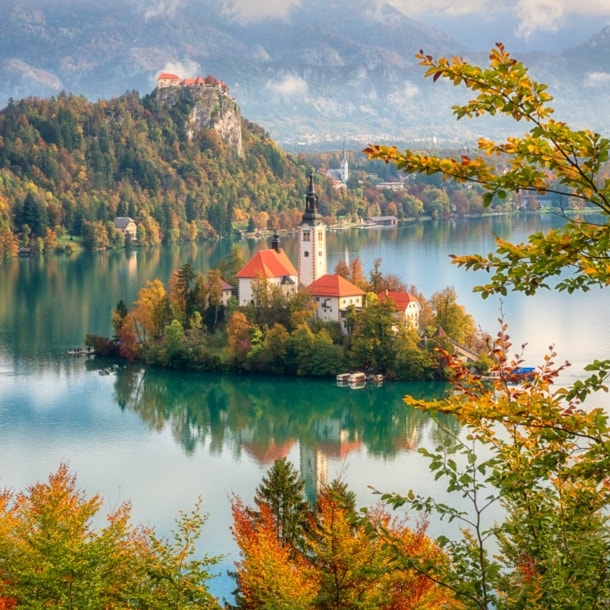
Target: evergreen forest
x,y
68,167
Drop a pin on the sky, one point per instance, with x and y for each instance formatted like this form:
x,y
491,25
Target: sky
x,y
519,24
551,25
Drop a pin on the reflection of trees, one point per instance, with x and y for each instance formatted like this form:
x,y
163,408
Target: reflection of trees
x,y
224,412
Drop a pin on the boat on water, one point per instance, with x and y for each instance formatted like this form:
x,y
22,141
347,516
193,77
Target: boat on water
x,y
81,351
523,373
358,385
358,380
516,375
343,377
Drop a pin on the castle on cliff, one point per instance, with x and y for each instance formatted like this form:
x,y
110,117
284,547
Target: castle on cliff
x,y
166,79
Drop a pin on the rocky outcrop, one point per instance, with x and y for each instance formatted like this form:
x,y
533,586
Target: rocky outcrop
x,y
212,108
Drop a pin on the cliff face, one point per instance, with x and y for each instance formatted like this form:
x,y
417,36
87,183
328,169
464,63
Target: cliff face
x,y
212,109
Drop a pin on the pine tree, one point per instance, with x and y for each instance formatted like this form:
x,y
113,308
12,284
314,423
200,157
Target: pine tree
x,y
282,492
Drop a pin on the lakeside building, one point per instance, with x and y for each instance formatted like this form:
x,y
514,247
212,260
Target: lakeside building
x,y
334,296
126,226
271,266
408,308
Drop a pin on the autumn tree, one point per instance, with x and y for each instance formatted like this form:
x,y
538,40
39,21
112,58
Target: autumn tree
x,y
550,158
452,317
267,574
527,447
51,555
214,295
180,293
145,323
238,329
333,562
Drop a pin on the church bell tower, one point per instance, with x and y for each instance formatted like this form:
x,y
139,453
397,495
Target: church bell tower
x,y
312,239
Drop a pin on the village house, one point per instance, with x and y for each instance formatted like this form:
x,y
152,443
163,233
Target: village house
x,y
227,292
407,307
333,295
126,226
272,266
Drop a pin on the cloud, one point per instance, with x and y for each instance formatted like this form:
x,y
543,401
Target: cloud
x,y
596,79
404,94
550,15
157,8
445,8
533,15
183,69
289,87
245,11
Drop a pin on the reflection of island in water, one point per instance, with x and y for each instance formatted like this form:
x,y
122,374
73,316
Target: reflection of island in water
x,y
266,417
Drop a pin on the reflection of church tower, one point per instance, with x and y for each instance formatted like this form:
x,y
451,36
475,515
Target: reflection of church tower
x,y
314,471
344,168
312,239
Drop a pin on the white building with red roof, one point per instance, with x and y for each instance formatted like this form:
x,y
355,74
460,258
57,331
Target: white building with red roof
x,y
167,79
333,295
272,266
407,307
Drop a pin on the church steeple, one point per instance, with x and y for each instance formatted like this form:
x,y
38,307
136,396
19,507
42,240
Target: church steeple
x,y
312,239
311,202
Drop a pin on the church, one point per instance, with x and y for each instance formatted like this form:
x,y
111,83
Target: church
x,y
331,293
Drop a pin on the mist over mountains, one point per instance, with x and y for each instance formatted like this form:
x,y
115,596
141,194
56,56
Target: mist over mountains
x,y
320,75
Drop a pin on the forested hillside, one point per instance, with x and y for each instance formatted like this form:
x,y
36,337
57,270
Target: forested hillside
x,y
68,167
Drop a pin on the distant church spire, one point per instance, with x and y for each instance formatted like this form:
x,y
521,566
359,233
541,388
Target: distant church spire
x,y
344,167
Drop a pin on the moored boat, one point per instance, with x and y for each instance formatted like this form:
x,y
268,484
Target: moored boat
x,y
343,378
357,378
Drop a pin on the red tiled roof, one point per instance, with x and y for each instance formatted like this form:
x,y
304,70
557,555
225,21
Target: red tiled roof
x,y
168,76
188,81
268,452
339,449
402,299
267,264
333,286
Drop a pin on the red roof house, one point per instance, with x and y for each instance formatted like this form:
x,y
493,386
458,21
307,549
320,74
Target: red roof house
x,y
167,79
272,265
333,294
407,306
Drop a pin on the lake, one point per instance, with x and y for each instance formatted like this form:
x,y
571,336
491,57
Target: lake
x,y
161,439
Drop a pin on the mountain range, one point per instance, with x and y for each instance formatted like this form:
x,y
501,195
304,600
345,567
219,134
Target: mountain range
x,y
322,77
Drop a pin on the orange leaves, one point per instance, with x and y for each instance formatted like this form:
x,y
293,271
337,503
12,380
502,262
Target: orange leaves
x,y
51,556
338,563
269,571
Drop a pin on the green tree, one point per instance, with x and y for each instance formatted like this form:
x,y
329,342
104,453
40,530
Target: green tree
x,y
373,342
452,317
181,295
231,264
214,294
282,491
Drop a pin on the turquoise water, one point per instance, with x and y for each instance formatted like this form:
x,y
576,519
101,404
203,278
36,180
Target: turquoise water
x,y
161,439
